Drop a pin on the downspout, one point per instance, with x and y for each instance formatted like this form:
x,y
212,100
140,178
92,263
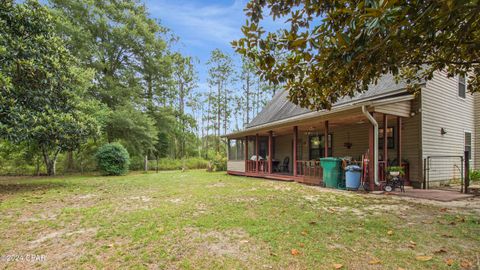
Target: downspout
x,y
375,143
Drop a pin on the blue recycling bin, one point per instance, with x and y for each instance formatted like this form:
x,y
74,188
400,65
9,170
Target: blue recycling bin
x,y
353,174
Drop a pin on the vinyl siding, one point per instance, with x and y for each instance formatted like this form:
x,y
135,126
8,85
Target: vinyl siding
x,y
443,108
399,109
477,131
412,148
236,166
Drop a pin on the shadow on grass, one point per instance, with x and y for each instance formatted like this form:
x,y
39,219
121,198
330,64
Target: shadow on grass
x,y
12,188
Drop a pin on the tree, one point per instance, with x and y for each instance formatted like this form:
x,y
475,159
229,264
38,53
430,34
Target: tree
x,y
42,87
220,74
185,78
117,40
338,48
133,128
247,76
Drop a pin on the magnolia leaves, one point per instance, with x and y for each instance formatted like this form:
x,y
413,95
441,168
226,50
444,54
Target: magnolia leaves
x,y
337,50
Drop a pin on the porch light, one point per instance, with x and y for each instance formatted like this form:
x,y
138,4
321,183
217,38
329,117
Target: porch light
x,y
348,144
443,131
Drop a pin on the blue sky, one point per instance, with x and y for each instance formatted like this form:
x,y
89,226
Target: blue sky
x,y
203,26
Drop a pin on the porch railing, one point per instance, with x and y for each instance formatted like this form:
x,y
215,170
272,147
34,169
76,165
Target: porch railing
x,y
309,171
252,166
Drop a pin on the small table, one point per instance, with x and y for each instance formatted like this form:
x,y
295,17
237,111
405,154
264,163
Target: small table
x,y
275,164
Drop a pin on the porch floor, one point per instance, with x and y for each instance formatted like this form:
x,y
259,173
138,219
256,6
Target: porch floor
x,y
433,194
274,176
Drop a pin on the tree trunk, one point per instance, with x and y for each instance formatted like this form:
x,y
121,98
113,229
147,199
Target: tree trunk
x,y
208,122
50,163
247,95
70,164
219,107
146,163
37,165
182,122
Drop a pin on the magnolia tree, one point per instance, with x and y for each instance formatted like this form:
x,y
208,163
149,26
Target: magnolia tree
x,y
42,88
332,49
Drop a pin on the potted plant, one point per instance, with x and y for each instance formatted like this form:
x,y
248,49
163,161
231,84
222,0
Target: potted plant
x,y
395,171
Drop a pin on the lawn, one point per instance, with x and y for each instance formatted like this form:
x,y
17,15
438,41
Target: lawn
x,y
200,220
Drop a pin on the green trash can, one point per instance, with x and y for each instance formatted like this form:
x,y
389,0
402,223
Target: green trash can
x,y
332,172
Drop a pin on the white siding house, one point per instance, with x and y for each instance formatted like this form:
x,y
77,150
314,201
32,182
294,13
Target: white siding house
x,y
442,120
477,131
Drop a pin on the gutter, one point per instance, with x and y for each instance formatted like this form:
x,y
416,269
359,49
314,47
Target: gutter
x,y
375,143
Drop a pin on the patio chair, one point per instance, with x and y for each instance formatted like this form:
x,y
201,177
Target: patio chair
x,y
284,166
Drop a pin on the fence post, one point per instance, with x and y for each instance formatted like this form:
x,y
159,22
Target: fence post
x,y
466,172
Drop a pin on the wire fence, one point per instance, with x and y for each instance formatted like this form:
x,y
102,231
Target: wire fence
x,y
445,172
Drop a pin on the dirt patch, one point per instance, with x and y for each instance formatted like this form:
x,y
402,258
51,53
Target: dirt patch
x,y
133,203
312,198
228,244
175,200
245,199
200,209
140,198
220,184
282,188
59,234
467,206
86,196
30,217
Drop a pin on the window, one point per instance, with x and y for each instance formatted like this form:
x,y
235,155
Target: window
x,y
461,87
468,144
236,150
390,138
317,146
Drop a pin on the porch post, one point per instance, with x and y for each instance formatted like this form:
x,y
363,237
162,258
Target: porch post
x,y
326,139
385,139
295,139
371,157
246,153
256,152
399,140
228,149
270,151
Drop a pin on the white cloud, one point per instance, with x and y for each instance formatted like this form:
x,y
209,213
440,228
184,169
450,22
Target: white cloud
x,y
205,23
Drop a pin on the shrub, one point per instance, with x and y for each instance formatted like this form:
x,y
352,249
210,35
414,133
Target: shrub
x,y
219,163
475,175
113,159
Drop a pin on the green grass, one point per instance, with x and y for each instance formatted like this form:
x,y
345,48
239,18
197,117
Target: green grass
x,y
199,220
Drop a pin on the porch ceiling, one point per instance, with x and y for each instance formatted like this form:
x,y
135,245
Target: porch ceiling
x,y
349,117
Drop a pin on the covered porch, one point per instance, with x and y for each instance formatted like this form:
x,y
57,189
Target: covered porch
x,y
292,152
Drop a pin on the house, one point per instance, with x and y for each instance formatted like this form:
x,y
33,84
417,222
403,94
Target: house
x,y
386,123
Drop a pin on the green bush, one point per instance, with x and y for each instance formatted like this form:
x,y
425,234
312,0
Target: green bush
x,y
475,175
113,159
219,163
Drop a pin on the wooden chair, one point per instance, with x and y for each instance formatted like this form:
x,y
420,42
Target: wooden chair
x,y
284,166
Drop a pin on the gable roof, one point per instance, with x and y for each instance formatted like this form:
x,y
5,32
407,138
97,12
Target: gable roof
x,y
280,107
